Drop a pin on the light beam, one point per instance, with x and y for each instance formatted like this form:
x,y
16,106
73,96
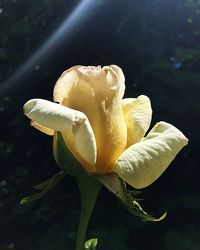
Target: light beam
x,y
79,14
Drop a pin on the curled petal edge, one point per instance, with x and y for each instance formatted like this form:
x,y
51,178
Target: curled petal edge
x,y
59,118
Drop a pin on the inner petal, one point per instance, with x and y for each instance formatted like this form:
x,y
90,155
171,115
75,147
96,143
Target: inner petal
x,y
96,94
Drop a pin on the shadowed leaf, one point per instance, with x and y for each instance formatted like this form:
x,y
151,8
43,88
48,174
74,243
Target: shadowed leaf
x,y
44,188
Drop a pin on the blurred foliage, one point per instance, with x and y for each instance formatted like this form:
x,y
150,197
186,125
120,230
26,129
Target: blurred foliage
x,y
157,43
21,23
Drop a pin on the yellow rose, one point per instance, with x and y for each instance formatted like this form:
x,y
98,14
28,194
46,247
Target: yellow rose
x,y
103,131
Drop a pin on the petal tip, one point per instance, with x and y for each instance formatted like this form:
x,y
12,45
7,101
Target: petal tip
x,y
28,106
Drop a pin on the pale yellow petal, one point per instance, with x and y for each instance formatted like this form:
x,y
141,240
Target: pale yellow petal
x,y
137,113
71,122
43,129
121,79
67,80
142,163
97,92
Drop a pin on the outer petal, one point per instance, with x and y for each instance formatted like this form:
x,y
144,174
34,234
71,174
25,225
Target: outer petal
x,y
66,120
142,163
137,113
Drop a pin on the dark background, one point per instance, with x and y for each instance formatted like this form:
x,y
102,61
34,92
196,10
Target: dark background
x,y
157,44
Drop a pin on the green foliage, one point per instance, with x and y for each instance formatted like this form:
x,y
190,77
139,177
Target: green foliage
x,y
188,55
91,244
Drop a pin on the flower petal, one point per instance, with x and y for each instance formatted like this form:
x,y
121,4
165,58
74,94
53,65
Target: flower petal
x,y
121,79
137,113
142,163
43,129
66,120
97,92
65,82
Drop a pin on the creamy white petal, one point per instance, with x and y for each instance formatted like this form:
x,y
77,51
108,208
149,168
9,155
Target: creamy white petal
x,y
60,118
137,113
142,163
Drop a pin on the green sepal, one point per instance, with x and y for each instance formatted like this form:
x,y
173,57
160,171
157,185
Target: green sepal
x,y
118,187
70,165
64,157
44,188
91,244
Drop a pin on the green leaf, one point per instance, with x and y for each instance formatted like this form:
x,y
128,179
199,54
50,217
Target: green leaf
x,y
44,188
118,187
91,244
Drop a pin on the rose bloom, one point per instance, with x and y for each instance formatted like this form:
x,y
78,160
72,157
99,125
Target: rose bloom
x,y
103,131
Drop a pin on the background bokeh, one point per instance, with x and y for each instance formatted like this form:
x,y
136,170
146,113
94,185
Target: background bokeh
x,y
157,44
